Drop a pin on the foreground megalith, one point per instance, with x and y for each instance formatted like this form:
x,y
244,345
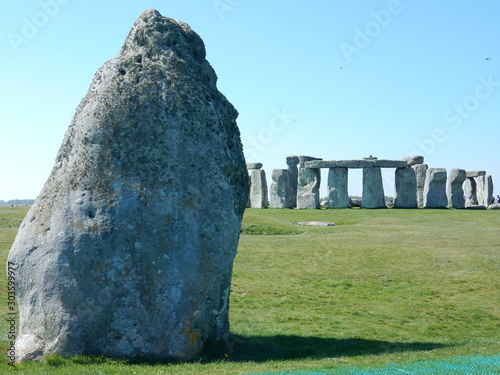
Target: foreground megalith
x,y
128,250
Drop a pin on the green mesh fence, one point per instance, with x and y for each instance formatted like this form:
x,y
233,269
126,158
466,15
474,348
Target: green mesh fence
x,y
472,365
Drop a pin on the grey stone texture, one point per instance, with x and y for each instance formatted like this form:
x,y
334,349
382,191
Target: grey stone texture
x,y
254,165
485,190
475,173
454,188
258,189
435,188
303,159
390,163
405,195
337,188
373,188
414,160
293,176
470,191
279,196
128,250
420,174
308,188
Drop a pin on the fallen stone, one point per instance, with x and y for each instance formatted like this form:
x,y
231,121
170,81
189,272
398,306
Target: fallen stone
x,y
494,206
128,250
317,223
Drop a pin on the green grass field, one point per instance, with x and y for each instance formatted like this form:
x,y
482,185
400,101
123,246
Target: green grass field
x,y
381,286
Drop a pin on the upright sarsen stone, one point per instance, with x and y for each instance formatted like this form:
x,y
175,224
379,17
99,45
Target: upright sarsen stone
x,y
454,189
420,174
128,250
435,188
258,189
308,188
406,188
280,189
293,177
373,188
338,196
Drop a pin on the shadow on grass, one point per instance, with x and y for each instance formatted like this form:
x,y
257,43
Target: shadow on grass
x,y
262,348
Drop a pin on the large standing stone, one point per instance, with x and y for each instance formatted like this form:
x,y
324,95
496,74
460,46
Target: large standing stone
x,y
373,188
128,250
280,189
454,188
470,188
258,188
308,188
485,190
435,188
338,196
406,188
420,174
293,177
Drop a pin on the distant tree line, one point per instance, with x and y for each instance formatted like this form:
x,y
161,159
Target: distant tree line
x,y
17,202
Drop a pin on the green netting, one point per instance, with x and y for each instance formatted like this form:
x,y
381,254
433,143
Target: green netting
x,y
472,365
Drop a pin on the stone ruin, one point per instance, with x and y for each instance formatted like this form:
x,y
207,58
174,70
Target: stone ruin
x,y
416,185
128,250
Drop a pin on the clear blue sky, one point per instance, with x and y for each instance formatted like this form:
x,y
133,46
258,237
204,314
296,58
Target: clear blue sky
x,y
335,79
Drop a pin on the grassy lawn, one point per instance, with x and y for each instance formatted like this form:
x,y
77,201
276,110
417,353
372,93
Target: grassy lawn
x,y
381,286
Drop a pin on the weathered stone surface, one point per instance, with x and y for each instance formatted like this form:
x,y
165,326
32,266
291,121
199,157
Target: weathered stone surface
x,y
303,159
414,160
373,188
405,195
308,188
292,160
293,176
494,206
128,250
320,164
454,188
485,190
254,165
355,202
382,163
435,188
354,163
280,189
258,189
420,174
470,190
337,188
475,173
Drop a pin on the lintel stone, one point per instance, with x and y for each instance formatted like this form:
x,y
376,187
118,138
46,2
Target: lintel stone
x,y
321,164
475,173
391,163
254,166
354,163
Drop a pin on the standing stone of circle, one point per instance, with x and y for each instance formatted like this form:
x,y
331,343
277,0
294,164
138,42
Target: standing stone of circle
x,y
280,189
420,174
485,190
128,250
435,188
258,188
405,195
373,188
338,196
308,188
293,176
470,189
454,188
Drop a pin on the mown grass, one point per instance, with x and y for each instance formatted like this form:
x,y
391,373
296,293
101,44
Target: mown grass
x,y
381,286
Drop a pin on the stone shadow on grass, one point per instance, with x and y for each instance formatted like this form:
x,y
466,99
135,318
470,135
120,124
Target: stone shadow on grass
x,y
283,347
